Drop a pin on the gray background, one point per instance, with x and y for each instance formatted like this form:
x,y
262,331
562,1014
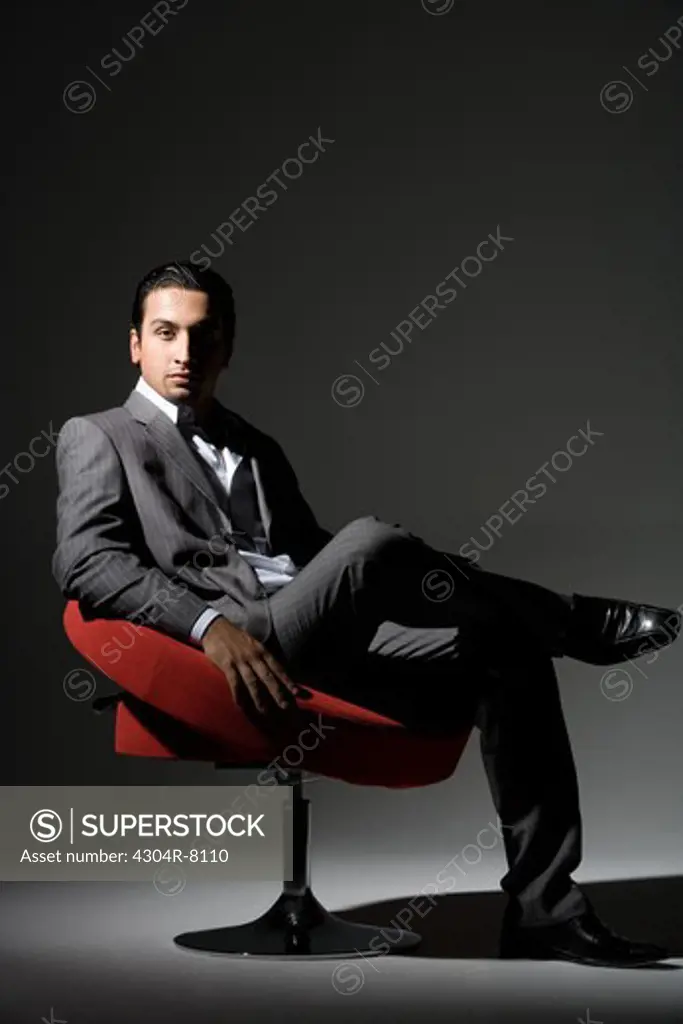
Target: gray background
x,y
444,127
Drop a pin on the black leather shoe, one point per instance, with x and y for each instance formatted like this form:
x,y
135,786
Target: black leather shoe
x,y
583,940
602,631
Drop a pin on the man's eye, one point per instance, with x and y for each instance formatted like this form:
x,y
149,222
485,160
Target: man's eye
x,y
206,339
165,332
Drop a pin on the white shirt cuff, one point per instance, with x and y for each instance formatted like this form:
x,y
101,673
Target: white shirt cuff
x,y
202,624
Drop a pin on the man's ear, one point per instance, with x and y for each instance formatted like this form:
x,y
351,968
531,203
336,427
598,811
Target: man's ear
x,y
134,345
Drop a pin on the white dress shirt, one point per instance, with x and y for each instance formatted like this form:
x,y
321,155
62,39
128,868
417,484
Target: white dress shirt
x,y
273,571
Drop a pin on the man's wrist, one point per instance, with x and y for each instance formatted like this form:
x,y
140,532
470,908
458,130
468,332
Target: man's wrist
x,y
201,625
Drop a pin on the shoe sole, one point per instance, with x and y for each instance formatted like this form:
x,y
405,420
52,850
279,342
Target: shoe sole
x,y
622,650
558,954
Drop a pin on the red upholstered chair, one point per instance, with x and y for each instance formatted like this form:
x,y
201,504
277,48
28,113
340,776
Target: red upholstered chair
x,y
175,703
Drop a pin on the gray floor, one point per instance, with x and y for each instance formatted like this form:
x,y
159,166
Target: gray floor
x,y
94,953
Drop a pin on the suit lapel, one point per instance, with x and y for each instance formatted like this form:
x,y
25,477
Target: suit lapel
x,y
240,439
260,495
166,436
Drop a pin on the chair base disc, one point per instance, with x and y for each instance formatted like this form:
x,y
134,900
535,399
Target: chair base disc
x,y
299,926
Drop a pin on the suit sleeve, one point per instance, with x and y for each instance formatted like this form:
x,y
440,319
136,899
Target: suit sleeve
x,y
100,559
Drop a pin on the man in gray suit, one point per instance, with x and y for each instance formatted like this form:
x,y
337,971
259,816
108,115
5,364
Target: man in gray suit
x,y
176,512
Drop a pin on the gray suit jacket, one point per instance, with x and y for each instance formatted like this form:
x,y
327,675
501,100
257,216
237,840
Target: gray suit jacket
x,y
143,526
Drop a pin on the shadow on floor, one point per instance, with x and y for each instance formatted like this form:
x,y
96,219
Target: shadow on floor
x,y
467,925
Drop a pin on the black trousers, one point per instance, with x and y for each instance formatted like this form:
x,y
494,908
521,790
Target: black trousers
x,y
380,617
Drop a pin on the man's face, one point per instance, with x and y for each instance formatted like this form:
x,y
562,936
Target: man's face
x,y
180,348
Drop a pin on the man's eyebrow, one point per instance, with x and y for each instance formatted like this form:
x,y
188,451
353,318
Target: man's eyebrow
x,y
172,323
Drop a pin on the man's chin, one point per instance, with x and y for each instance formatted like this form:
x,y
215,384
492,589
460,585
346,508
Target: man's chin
x,y
183,389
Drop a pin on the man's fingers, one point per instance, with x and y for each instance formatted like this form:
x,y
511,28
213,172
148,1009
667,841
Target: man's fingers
x,y
281,693
278,671
261,696
270,701
255,691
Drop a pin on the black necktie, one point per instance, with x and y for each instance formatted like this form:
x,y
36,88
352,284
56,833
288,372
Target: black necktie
x,y
247,525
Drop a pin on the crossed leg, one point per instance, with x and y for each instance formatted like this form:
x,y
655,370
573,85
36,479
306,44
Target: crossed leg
x,y
463,662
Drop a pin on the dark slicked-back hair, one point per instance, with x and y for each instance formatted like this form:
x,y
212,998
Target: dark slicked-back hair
x,y
184,274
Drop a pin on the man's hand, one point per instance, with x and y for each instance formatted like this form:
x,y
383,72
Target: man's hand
x,y
260,686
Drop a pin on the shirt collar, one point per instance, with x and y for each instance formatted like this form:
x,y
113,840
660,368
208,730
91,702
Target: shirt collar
x,y
172,411
162,403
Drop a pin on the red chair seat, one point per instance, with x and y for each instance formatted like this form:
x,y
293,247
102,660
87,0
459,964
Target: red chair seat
x,y
187,712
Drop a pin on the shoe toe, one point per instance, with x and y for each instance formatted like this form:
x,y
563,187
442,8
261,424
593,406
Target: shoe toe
x,y
651,952
664,623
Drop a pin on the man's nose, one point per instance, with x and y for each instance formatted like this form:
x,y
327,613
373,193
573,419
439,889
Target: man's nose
x,y
182,351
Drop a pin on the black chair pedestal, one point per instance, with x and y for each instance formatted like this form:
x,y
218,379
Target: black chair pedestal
x,y
297,925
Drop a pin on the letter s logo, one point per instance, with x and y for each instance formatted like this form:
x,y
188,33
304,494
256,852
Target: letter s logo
x,y
46,826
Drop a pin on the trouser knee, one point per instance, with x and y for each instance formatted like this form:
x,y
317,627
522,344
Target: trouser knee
x,y
370,536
